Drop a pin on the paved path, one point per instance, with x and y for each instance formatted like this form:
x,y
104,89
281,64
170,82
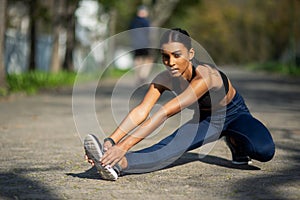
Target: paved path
x,y
41,154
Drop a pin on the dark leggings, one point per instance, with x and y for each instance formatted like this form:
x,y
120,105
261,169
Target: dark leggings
x,y
234,121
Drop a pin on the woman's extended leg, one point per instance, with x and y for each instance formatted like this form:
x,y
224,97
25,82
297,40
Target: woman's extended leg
x,y
187,137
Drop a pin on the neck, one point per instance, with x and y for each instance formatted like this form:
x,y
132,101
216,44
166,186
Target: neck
x,y
188,76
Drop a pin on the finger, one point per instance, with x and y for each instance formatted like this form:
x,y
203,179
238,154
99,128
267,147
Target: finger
x,y
91,161
105,155
108,160
114,162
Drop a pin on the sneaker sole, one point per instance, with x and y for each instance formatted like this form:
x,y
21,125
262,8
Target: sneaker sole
x,y
241,163
94,152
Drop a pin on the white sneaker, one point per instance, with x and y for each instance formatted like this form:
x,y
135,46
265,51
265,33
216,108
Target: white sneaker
x,y
93,150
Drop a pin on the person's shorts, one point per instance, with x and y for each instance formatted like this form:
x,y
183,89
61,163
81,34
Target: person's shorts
x,y
141,52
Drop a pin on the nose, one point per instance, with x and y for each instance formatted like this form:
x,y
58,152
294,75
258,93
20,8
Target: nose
x,y
171,62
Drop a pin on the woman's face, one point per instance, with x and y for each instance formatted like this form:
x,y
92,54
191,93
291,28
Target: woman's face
x,y
176,57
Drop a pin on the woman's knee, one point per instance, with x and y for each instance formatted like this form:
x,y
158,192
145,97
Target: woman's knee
x,y
265,152
254,136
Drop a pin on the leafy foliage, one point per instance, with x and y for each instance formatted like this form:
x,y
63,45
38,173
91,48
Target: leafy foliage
x,y
244,31
275,67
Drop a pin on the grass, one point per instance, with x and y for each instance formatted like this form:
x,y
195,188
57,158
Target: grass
x,y
276,67
32,82
113,72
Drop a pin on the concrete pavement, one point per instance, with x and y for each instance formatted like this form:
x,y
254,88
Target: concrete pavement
x,y
41,154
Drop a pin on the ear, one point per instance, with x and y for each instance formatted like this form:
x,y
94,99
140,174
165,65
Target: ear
x,y
191,53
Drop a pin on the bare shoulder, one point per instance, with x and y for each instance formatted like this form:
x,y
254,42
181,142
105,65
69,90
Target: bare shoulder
x,y
210,75
206,71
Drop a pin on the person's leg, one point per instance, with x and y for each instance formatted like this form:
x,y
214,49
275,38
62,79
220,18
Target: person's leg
x,y
143,62
138,61
146,67
250,136
143,66
168,150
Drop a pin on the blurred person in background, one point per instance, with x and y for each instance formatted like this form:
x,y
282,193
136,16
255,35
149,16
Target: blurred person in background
x,y
140,38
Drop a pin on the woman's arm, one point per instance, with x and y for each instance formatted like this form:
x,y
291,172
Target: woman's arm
x,y
196,89
139,114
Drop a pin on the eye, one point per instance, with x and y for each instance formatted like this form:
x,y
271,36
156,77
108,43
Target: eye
x,y
165,56
177,55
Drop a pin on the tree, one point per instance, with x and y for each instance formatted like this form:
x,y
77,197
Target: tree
x,y
243,31
70,29
57,8
3,4
33,16
161,10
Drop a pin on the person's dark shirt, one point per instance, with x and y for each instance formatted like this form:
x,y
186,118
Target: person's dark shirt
x,y
140,37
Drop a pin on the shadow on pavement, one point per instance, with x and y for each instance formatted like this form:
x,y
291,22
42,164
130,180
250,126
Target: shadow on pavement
x,y
88,174
284,93
185,159
212,160
271,186
14,185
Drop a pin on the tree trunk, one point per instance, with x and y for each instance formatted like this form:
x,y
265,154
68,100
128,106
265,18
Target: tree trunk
x,y
157,17
112,30
32,9
70,28
57,10
55,60
2,38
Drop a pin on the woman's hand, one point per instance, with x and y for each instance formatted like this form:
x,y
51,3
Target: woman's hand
x,y
107,145
112,156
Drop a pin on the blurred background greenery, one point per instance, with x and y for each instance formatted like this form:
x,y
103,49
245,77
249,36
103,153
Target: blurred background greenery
x,y
53,37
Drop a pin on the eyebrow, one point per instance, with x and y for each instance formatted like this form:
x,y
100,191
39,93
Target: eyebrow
x,y
174,52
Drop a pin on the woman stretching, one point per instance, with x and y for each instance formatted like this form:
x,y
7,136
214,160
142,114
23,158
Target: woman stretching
x,y
219,110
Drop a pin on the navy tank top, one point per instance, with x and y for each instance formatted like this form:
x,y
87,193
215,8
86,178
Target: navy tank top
x,y
211,97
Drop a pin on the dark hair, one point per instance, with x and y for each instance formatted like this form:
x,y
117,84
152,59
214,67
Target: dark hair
x,y
176,35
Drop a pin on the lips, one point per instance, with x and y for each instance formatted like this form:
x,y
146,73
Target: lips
x,y
174,71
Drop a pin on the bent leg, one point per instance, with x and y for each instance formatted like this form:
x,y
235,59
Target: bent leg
x,y
252,137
